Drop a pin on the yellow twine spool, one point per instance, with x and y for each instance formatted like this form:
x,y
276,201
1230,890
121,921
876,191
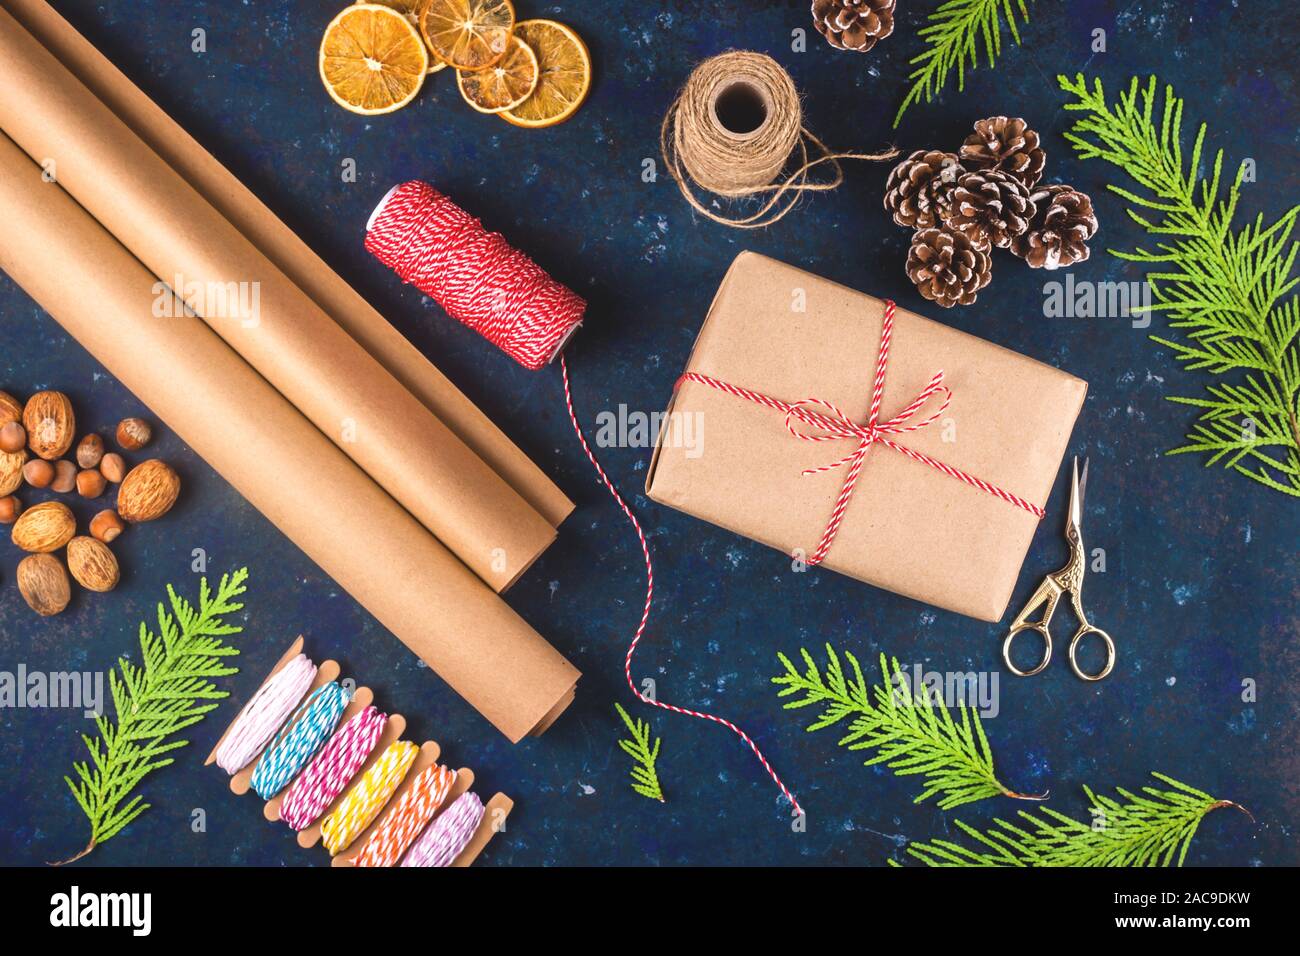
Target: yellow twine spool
x,y
735,127
364,801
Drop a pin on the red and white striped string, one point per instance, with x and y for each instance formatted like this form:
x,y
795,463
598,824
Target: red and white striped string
x,y
499,292
337,763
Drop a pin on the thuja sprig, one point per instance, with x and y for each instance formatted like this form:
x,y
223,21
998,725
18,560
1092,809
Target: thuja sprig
x,y
1154,828
911,733
645,780
1227,291
953,38
172,689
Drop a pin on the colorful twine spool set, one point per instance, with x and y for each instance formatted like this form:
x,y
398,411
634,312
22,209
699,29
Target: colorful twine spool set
x,y
496,290
314,755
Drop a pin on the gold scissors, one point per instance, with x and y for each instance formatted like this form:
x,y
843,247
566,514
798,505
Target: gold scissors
x,y
1068,580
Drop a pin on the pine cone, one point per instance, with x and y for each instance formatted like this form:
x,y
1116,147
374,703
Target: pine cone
x,y
1005,144
1060,231
853,24
919,190
947,268
991,207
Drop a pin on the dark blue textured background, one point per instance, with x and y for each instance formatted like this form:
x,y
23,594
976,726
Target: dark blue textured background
x,y
1201,586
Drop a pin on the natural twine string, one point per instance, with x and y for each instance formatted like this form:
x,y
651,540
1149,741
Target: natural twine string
x,y
697,147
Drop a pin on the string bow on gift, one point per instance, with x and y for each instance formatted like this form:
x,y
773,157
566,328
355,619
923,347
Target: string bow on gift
x,y
831,424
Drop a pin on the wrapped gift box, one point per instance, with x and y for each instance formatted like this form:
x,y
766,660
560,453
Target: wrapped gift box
x,y
909,526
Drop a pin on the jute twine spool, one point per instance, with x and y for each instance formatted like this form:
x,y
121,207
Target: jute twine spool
x,y
734,129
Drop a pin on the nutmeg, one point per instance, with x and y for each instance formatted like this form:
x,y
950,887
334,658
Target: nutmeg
x,y
90,483
90,450
50,424
133,433
13,437
148,491
65,476
11,410
106,525
92,564
44,527
11,470
10,509
112,467
44,584
39,473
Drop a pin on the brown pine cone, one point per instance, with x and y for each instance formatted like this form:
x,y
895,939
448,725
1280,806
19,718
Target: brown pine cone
x,y
947,268
853,24
1007,144
918,193
1060,231
990,207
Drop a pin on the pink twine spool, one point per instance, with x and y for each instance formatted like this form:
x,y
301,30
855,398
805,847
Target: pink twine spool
x,y
446,836
336,764
475,275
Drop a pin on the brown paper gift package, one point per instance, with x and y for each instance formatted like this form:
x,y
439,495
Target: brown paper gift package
x,y
909,528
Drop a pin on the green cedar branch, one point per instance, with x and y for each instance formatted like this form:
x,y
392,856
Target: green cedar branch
x,y
911,734
1228,291
172,689
952,42
645,780
1154,828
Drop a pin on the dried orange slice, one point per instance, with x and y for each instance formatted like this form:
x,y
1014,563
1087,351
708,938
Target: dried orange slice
x,y
468,34
565,74
372,60
411,10
506,84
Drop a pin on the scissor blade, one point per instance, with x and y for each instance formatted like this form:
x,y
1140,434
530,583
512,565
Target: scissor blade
x,y
1078,485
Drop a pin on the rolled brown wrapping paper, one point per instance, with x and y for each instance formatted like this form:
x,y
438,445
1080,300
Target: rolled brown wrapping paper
x,y
184,241
294,257
253,437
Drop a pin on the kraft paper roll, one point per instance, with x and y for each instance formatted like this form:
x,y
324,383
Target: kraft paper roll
x,y
293,256
253,437
184,241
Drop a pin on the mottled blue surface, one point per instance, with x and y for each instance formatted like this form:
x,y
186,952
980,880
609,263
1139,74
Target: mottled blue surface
x,y
1201,583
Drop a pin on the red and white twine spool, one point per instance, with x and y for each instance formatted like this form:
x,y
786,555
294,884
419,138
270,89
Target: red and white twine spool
x,y
475,275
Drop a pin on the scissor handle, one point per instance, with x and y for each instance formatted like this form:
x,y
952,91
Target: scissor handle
x,y
1083,631
1041,628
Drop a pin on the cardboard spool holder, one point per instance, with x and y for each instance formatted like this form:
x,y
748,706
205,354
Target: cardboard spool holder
x,y
495,810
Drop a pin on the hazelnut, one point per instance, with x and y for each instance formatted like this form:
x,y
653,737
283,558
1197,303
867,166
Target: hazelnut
x,y
106,525
90,451
65,476
133,433
90,483
10,509
38,472
13,437
112,467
